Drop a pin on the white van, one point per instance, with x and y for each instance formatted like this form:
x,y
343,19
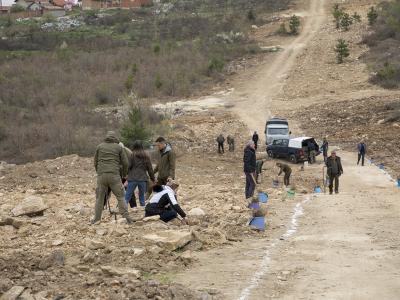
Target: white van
x,y
275,129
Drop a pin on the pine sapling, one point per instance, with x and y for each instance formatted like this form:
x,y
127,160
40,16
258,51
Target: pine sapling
x,y
372,15
342,50
294,24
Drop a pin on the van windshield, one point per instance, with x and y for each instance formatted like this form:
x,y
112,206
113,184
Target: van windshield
x,y
278,131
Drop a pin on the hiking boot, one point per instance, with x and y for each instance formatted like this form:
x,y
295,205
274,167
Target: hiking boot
x,y
129,220
94,222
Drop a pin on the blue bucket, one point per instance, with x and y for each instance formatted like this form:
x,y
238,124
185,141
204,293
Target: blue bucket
x,y
317,189
398,182
258,223
254,205
263,197
381,166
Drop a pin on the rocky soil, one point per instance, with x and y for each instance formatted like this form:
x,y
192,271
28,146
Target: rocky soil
x,y
50,250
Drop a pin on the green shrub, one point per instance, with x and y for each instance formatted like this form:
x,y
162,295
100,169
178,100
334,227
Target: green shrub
x,y
251,15
372,15
337,14
294,24
135,127
156,49
16,8
356,17
158,82
215,65
129,82
342,50
345,21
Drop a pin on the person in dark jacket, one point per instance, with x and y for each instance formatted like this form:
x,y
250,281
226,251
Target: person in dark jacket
x,y
250,166
110,161
220,141
255,139
163,203
140,169
334,170
231,143
284,168
166,164
362,149
311,152
325,148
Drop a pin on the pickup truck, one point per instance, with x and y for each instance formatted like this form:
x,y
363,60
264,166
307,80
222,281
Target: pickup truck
x,y
296,149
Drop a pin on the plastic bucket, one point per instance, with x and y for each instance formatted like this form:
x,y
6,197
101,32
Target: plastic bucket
x,y
258,223
398,182
263,197
317,189
254,205
290,193
381,166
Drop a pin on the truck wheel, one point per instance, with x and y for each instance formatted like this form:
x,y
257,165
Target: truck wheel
x,y
270,153
293,159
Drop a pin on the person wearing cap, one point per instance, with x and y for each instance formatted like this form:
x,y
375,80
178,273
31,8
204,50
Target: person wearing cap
x,y
166,164
163,202
334,170
111,163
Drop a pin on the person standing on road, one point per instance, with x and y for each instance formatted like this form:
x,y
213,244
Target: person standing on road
x,y
249,161
221,141
362,149
231,143
255,140
110,162
334,170
311,152
284,168
325,148
166,164
139,167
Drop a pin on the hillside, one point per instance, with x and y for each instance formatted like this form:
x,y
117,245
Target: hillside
x,y
55,73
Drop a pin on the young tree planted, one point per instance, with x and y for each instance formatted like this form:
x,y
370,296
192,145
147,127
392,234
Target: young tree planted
x,y
135,127
342,50
346,21
337,15
294,24
372,15
356,17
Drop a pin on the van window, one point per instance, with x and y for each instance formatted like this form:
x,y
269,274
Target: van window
x,y
278,131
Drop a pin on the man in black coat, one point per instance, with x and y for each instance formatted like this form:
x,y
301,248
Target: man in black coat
x,y
249,160
255,139
334,170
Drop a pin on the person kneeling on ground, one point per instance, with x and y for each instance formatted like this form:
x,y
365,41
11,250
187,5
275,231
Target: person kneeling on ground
x,y
163,203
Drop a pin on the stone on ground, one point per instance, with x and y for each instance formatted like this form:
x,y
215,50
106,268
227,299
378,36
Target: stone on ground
x,y
95,244
31,205
13,293
120,271
170,239
196,212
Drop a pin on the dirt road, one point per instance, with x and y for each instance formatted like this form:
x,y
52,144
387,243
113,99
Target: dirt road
x,y
341,246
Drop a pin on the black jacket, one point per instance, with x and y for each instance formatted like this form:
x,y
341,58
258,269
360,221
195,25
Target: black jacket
x,y
161,201
249,160
255,138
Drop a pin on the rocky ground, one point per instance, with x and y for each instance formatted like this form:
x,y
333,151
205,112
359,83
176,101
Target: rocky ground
x,y
50,250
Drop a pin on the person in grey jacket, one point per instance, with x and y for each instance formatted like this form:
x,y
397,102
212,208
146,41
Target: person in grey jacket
x,y
139,169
